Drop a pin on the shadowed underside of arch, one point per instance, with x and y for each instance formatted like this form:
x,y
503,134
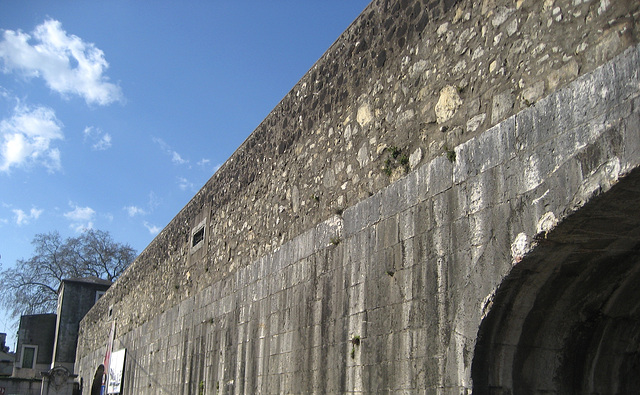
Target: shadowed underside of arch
x,y
566,320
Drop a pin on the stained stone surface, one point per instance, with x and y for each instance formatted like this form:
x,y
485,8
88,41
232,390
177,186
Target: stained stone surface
x,y
356,210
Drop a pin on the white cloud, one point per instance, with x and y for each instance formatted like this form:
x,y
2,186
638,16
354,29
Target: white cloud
x,y
134,210
23,218
81,218
101,141
104,143
154,201
185,184
175,157
80,214
26,138
154,230
66,63
80,228
204,163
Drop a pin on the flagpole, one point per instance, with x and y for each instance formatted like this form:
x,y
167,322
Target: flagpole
x,y
107,358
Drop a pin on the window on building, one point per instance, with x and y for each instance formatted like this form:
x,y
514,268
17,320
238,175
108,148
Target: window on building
x,y
99,295
197,236
29,356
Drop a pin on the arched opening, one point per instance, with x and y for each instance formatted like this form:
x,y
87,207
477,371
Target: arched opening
x,y
566,320
96,384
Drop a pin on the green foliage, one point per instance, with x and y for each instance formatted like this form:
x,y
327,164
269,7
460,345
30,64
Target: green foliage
x,y
451,154
396,160
387,169
404,161
395,151
355,341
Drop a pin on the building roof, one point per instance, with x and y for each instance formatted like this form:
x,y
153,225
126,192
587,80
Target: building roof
x,y
87,280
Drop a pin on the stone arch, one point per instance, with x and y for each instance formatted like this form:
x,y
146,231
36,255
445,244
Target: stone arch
x,y
567,318
96,384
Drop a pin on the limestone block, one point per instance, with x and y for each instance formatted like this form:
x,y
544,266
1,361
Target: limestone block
x,y
501,106
448,104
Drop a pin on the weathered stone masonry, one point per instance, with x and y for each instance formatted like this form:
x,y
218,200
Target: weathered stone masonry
x,y
356,240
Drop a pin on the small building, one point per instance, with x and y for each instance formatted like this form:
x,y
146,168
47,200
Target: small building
x,y
6,358
76,296
36,335
46,350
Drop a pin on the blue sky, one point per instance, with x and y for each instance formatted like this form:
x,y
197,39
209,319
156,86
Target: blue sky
x,y
114,114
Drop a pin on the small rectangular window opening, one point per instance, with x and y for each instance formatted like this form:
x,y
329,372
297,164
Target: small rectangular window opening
x,y
197,237
29,356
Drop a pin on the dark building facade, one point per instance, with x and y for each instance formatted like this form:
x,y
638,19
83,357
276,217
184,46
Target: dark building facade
x,y
46,349
34,352
76,296
6,358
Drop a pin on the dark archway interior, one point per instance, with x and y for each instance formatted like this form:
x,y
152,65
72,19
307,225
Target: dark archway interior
x,y
566,320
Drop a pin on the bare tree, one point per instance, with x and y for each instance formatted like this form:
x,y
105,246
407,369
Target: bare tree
x,y
31,287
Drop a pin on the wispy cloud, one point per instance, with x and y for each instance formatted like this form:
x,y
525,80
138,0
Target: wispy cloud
x,y
154,230
26,138
67,64
154,200
175,156
205,164
100,141
81,217
80,214
185,184
134,210
23,218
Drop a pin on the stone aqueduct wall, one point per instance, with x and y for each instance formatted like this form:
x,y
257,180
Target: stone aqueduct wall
x,y
386,187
